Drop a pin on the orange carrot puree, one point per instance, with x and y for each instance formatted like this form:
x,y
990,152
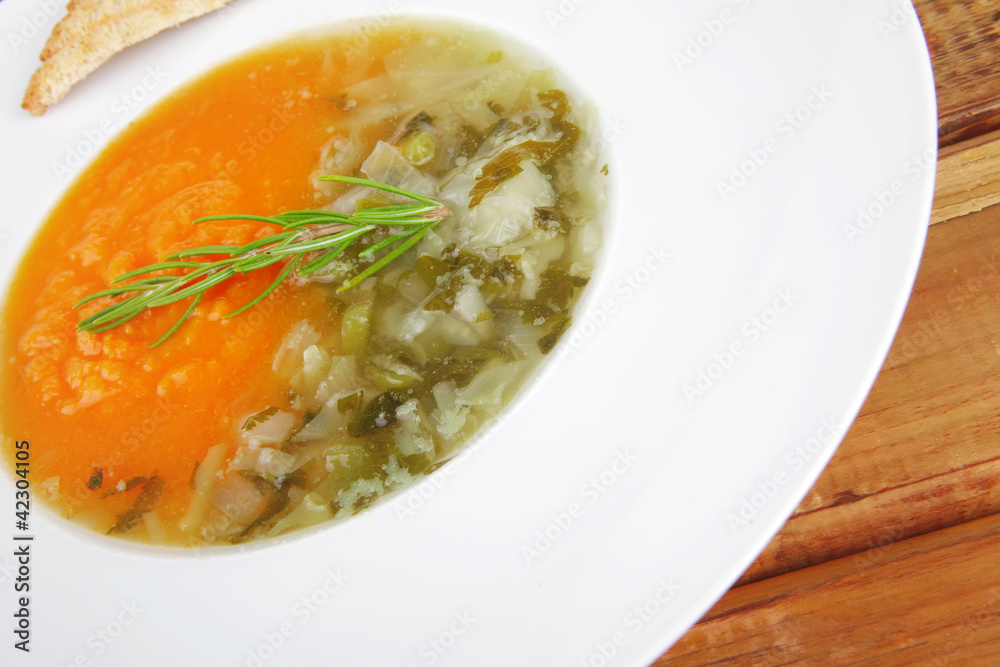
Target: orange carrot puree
x,y
245,139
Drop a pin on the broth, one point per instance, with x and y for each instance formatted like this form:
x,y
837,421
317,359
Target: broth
x,y
315,402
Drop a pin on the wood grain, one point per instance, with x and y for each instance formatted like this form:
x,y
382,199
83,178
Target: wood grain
x,y
931,600
892,558
963,40
918,457
968,178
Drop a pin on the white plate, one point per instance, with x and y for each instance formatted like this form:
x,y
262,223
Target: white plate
x,y
693,486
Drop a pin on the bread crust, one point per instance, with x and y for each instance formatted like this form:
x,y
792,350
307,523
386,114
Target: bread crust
x,y
94,30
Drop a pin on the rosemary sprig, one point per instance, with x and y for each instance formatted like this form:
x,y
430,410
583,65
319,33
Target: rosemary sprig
x,y
309,241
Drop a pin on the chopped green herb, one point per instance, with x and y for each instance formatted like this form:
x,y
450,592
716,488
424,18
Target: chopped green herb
x,y
253,421
277,501
379,413
507,164
419,123
350,403
146,500
129,485
547,342
309,241
551,219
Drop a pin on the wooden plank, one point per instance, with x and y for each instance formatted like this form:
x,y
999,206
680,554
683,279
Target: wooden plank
x,y
929,600
968,178
962,37
921,456
890,582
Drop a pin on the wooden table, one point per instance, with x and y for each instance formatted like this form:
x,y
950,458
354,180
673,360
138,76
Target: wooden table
x,y
894,556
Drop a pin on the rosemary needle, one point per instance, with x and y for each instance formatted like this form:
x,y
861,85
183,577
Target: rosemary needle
x,y
309,241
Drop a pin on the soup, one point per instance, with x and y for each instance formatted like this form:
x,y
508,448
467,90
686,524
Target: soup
x,y
316,400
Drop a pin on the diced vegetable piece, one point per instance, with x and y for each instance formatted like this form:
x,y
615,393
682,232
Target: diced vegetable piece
x,y
350,403
521,336
387,165
419,147
406,326
360,492
585,241
386,373
538,250
148,496
449,414
470,305
288,358
455,331
542,79
155,527
340,155
412,287
379,413
327,422
396,474
513,160
264,460
272,426
342,376
491,384
315,364
204,480
507,212
376,88
410,437
355,327
239,499
345,463
312,510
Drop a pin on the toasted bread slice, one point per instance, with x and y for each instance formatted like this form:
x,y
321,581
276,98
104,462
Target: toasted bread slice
x,y
94,30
